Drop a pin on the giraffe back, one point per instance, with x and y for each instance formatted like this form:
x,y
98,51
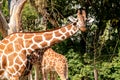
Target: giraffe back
x,y
53,61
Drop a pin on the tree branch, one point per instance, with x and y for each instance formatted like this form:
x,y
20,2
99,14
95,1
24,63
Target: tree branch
x,y
15,15
3,25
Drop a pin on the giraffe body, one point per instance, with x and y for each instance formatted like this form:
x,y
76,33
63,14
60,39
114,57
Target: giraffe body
x,y
53,61
15,48
50,61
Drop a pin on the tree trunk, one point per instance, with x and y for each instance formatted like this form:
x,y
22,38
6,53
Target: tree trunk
x,y
95,74
15,15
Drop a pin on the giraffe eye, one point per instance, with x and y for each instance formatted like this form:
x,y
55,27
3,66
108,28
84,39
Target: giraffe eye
x,y
74,23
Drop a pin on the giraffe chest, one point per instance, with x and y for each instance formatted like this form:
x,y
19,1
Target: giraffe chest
x,y
3,63
36,56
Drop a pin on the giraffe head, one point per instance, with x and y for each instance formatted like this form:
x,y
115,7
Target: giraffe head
x,y
81,19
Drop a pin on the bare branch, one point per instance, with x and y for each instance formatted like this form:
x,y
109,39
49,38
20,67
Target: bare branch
x,y
1,2
15,15
3,25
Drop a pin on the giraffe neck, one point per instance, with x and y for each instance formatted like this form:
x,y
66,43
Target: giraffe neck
x,y
39,40
49,38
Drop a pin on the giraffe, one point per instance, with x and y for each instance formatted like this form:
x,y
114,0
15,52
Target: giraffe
x,y
15,48
51,61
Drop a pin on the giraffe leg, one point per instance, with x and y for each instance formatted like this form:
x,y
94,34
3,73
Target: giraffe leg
x,y
44,74
30,76
51,76
55,76
36,72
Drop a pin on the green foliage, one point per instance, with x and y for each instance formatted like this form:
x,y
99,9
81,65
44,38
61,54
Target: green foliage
x,y
29,15
76,66
110,70
5,8
1,36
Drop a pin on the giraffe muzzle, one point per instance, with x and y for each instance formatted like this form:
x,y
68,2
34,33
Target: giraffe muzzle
x,y
82,28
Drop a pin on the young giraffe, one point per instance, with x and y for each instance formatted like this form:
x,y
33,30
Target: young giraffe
x,y
51,61
15,48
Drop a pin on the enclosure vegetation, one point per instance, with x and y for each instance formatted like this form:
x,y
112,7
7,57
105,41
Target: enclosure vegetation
x,y
95,52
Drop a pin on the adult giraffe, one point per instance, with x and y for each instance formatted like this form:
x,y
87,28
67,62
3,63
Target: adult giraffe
x,y
15,48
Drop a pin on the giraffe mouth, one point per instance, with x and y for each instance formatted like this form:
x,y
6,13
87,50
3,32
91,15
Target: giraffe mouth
x,y
83,28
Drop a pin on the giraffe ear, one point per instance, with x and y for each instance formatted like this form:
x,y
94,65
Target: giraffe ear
x,y
72,19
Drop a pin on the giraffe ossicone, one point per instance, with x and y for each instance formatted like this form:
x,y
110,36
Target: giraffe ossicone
x,y
15,47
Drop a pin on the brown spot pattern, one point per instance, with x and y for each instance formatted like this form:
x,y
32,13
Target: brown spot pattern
x,y
11,70
19,41
18,61
75,28
2,46
9,49
4,61
12,37
22,69
69,27
38,39
50,63
5,41
28,36
29,50
44,44
58,34
23,56
54,41
63,37
16,67
28,43
11,58
1,52
34,46
48,36
17,47
20,35
63,30
67,34
1,72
